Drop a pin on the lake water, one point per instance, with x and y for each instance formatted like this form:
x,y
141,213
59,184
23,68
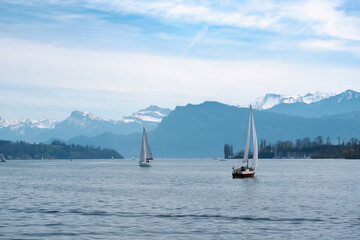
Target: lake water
x,y
179,199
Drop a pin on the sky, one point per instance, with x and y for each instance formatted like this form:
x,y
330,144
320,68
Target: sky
x,y
114,57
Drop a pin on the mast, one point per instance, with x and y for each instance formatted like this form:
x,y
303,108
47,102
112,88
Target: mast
x,y
255,145
247,146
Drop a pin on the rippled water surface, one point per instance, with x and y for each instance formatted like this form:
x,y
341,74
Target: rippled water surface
x,y
179,199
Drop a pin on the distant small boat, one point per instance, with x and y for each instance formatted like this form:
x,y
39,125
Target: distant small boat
x,y
246,171
222,159
133,158
145,154
3,158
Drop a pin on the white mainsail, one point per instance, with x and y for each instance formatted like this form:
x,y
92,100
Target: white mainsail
x,y
247,146
145,154
255,145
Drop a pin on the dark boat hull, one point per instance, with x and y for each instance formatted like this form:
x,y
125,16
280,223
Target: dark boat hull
x,y
243,174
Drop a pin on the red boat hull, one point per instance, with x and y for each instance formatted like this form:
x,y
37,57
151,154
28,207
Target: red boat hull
x,y
243,174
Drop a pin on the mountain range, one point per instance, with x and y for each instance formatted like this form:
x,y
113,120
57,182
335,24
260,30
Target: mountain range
x,y
348,101
80,123
202,130
271,100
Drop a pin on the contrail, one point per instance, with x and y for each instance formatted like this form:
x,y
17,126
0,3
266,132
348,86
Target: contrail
x,y
198,36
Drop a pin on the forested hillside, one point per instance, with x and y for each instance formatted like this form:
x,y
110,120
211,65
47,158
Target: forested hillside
x,y
307,148
55,150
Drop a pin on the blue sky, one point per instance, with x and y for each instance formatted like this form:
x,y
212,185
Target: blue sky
x,y
114,57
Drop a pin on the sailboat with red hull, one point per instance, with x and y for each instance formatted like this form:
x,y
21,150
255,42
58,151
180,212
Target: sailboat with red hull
x,y
246,171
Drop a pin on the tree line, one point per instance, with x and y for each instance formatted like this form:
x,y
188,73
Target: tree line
x,y
228,151
55,150
307,148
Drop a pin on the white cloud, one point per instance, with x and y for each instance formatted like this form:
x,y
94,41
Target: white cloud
x,y
321,17
324,18
140,80
314,19
193,12
287,21
101,81
333,45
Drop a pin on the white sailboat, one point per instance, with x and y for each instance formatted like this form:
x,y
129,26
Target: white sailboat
x,y
246,171
2,158
145,154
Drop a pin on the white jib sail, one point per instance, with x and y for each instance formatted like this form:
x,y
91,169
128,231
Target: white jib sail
x,y
145,153
147,148
255,156
247,146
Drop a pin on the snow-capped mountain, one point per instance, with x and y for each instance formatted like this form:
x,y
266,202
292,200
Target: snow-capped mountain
x,y
151,114
22,129
87,124
84,120
271,100
80,123
21,124
345,102
347,95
